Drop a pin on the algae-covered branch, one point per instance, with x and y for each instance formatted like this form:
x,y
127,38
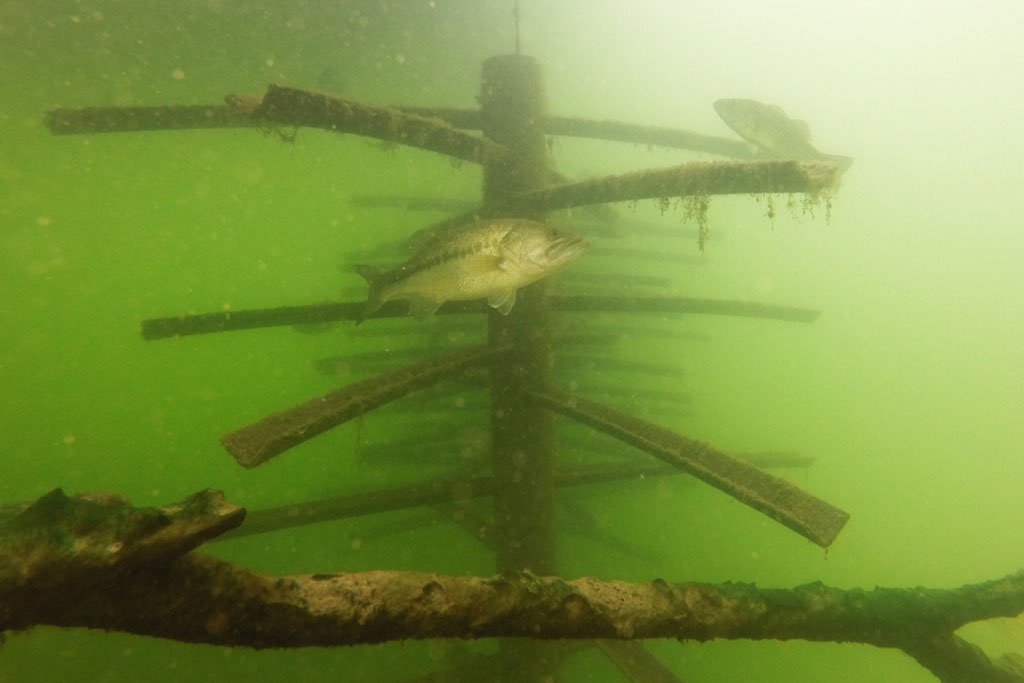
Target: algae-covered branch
x,y
96,562
701,178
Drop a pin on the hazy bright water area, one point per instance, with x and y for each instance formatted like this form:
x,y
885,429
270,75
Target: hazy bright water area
x,y
908,390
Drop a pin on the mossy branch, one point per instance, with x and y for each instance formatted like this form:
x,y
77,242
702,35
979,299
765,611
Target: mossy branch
x,y
700,178
87,561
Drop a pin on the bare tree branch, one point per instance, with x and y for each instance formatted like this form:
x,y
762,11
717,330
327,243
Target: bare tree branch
x,y
79,120
256,443
283,105
810,517
231,321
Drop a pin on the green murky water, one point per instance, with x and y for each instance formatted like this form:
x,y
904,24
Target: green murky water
x,y
908,390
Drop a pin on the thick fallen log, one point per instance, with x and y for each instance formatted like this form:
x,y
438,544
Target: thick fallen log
x,y
96,562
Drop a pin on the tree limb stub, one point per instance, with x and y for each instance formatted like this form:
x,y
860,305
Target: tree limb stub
x,y
256,443
288,106
692,179
89,538
810,517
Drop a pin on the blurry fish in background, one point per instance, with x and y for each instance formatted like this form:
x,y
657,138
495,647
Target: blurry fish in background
x,y
774,133
488,259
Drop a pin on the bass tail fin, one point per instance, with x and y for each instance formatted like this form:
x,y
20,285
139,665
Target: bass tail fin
x,y
374,299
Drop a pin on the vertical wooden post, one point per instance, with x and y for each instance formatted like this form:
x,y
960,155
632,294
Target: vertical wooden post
x,y
512,106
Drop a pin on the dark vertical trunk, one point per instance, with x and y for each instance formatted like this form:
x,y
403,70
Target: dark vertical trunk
x,y
512,106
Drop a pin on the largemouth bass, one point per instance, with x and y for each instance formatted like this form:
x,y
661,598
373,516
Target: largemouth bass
x,y
774,133
488,259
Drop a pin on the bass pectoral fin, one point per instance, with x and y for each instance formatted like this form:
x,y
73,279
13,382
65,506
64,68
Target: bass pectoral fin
x,y
503,301
422,308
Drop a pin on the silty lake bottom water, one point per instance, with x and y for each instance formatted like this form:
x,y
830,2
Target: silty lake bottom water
x,y
907,390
